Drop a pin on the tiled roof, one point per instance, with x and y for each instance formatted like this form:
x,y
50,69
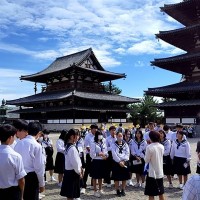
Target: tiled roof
x,y
179,103
53,96
54,109
181,87
69,61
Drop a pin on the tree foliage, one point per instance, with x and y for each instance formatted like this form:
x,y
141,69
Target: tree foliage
x,y
145,111
109,87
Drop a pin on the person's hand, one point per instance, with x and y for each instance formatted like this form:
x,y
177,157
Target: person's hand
x,y
121,164
101,154
42,189
138,158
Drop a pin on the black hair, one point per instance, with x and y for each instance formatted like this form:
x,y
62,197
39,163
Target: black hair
x,y
120,124
71,132
63,134
6,131
165,127
112,127
163,132
181,132
154,136
20,124
34,128
96,135
152,123
140,132
126,131
46,132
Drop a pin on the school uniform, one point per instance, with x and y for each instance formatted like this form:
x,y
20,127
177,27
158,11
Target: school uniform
x,y
71,180
60,158
138,149
174,136
11,170
146,136
181,155
167,162
31,152
98,164
80,147
109,142
120,152
87,142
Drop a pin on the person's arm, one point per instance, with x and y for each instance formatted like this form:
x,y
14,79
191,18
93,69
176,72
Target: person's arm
x,y
60,147
114,154
147,157
21,183
75,161
93,153
172,153
127,151
188,152
167,148
108,145
189,190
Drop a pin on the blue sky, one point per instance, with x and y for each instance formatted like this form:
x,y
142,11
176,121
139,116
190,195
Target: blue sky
x,y
121,34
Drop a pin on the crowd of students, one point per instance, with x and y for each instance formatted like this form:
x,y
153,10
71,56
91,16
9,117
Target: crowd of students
x,y
104,157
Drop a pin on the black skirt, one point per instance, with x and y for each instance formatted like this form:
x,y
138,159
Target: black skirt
x,y
198,169
120,173
59,163
178,166
167,165
11,193
138,169
70,185
82,157
98,169
154,187
49,163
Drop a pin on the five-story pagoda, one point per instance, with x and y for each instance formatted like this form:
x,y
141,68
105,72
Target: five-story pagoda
x,y
186,107
74,93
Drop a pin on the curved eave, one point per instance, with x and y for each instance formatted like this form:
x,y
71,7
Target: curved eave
x,y
56,109
55,96
185,12
182,64
182,38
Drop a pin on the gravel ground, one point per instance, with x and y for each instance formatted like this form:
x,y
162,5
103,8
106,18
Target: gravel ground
x,y
52,190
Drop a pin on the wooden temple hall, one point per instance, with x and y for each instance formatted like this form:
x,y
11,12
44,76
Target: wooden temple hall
x,y
182,103
74,93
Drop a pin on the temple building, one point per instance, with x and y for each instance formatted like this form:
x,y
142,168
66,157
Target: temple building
x,y
182,103
74,93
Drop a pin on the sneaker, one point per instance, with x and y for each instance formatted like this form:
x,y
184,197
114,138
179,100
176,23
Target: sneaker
x,y
137,185
175,176
82,190
181,186
142,185
123,193
101,192
97,194
41,196
170,185
131,183
119,193
60,184
53,179
108,185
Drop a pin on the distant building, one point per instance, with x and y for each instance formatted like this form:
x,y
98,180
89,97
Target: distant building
x,y
3,110
74,93
185,108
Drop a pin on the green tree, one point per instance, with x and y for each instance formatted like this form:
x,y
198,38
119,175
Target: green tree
x,y
109,87
145,111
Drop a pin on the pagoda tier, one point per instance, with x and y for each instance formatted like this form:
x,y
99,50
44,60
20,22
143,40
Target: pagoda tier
x,y
184,38
186,12
83,64
182,90
184,64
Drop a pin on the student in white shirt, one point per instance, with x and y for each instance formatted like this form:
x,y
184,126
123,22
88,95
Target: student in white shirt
x,y
179,127
168,132
60,158
167,162
12,171
120,170
47,144
99,154
181,156
88,139
151,126
138,148
154,157
31,152
198,154
110,140
71,181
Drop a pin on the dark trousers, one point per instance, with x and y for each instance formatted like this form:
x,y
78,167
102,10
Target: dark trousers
x,y
108,168
11,193
87,170
31,190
